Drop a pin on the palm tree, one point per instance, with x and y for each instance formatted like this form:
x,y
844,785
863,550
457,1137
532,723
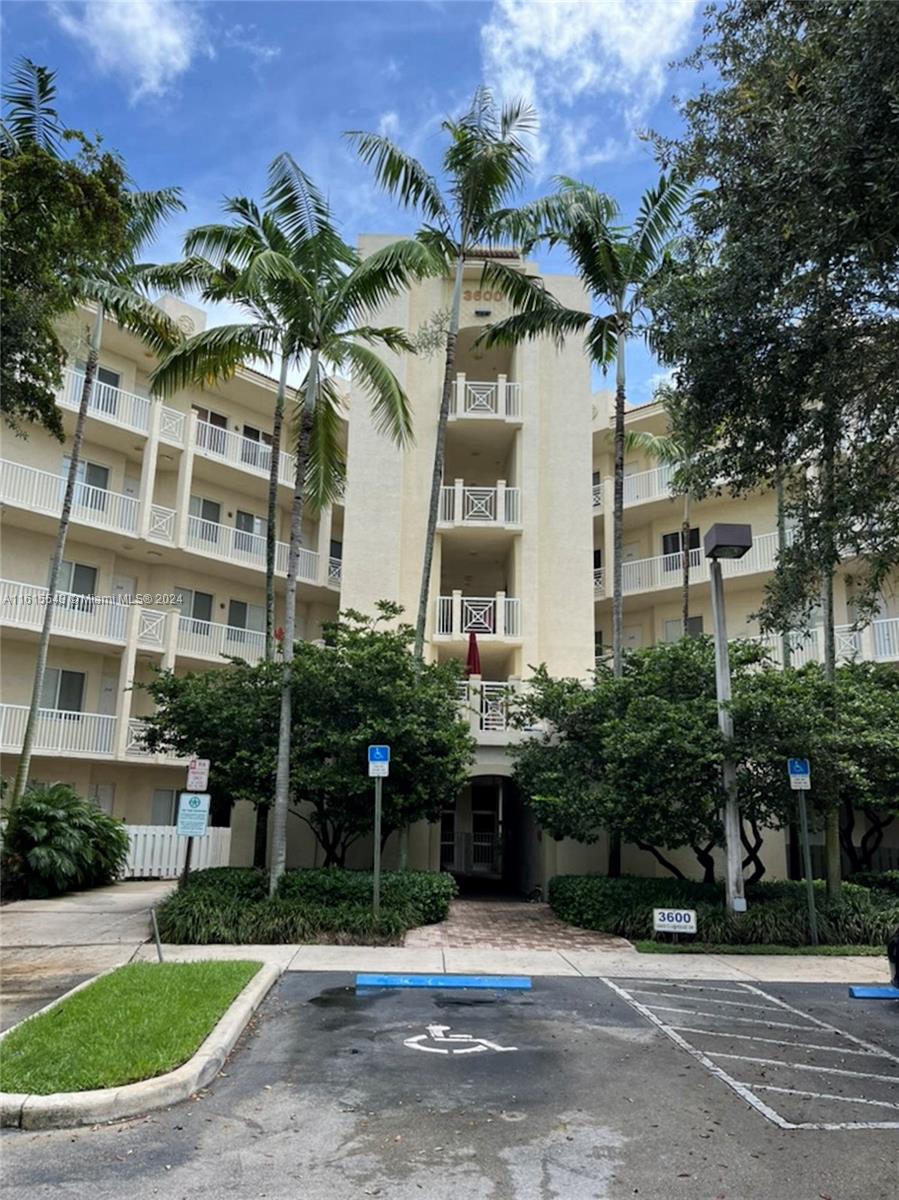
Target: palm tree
x,y
116,290
619,266
670,452
485,162
308,295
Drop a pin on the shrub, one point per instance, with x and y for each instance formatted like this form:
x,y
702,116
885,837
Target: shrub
x,y
327,904
882,881
53,841
777,912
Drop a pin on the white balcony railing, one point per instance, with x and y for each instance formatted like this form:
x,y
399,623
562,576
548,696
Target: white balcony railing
x,y
878,642
335,570
23,605
118,407
210,639
654,484
460,505
58,731
42,491
496,616
886,639
246,549
599,582
134,743
597,496
664,571
497,398
226,446
151,628
162,524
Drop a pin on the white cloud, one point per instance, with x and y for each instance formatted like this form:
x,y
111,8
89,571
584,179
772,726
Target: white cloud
x,y
244,37
148,43
388,124
558,53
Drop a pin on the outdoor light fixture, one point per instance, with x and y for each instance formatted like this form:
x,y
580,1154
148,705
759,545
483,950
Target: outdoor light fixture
x,y
727,541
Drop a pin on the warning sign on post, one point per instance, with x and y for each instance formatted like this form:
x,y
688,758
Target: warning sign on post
x,y
193,814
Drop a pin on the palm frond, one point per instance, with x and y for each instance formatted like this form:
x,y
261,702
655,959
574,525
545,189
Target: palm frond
x,y
301,209
30,117
526,293
659,210
552,321
147,211
212,354
383,274
602,340
389,403
326,461
665,450
134,312
401,175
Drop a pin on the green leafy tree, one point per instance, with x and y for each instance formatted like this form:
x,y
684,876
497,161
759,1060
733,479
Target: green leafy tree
x,y
111,284
360,685
62,215
780,314
485,162
308,296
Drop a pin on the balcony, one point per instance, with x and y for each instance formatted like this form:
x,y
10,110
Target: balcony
x,y
497,400
42,491
335,571
599,583
245,549
23,605
118,407
478,506
877,642
211,640
135,748
597,497
58,731
640,487
495,617
222,445
664,571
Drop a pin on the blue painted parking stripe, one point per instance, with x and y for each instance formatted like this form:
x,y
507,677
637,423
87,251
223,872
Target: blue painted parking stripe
x,y
873,993
505,982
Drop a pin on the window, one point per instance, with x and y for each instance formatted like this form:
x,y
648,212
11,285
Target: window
x,y
163,809
204,519
198,607
597,560
63,690
250,529
336,548
673,628
104,394
672,546
91,482
78,579
212,428
243,618
597,489
255,449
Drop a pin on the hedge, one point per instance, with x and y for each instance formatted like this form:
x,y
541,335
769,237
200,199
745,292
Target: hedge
x,y
231,905
883,881
777,911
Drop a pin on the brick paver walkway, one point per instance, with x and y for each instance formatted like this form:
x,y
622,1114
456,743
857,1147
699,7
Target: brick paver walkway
x,y
508,925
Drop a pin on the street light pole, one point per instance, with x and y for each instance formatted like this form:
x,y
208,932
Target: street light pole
x,y
734,866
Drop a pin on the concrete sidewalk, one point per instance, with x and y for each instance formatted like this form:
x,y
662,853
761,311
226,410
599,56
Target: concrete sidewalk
x,y
613,963
48,946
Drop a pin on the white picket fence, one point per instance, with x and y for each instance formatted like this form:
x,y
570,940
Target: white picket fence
x,y
158,853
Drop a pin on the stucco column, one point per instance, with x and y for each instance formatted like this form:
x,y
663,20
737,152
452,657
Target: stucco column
x,y
500,514
458,501
867,651
185,478
456,626
323,545
500,614
475,701
148,470
502,393
126,679
172,625
460,392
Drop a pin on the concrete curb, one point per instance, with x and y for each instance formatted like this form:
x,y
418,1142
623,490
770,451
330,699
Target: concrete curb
x,y
62,1110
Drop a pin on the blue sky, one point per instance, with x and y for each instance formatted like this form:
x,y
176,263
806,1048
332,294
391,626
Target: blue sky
x,y
205,94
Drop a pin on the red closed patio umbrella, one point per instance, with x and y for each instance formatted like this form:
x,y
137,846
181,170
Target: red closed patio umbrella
x,y
473,661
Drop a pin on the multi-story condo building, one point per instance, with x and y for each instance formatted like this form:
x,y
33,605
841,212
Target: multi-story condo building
x,y
170,508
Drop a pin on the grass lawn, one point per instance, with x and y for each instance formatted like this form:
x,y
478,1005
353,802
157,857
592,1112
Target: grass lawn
x,y
705,948
139,1021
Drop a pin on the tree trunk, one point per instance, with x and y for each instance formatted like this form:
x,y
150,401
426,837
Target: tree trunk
x,y
271,531
706,861
786,650
660,858
752,851
614,867
439,456
90,370
685,564
830,558
282,775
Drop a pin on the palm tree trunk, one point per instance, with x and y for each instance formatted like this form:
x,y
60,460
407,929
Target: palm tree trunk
x,y
786,650
282,776
272,513
614,865
832,851
685,562
439,456
40,669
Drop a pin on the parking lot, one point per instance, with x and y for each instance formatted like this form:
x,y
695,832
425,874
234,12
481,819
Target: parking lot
x,y
579,1088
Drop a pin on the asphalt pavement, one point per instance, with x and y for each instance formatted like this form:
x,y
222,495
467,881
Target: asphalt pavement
x,y
580,1088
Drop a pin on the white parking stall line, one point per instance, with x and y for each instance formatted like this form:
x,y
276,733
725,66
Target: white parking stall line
x,y
751,1037
769,1087
778,1062
879,1050
692,1012
703,987
675,996
750,1091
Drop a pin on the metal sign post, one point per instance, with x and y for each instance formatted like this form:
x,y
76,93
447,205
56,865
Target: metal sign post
x,y
190,827
800,775
378,769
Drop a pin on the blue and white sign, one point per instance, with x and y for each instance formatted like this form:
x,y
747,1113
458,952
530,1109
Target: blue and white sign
x,y
674,920
378,761
800,773
193,814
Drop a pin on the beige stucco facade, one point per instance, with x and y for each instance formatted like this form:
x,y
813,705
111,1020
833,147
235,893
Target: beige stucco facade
x,y
170,511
